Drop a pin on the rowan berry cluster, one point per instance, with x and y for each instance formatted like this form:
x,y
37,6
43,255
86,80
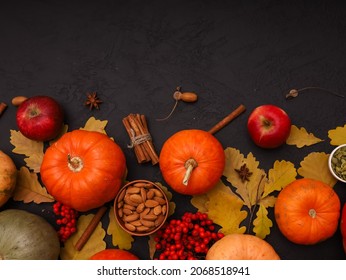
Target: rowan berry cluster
x,y
188,238
66,219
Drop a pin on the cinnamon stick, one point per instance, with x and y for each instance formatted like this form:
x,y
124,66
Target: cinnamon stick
x,y
3,107
90,228
148,145
221,124
141,157
137,129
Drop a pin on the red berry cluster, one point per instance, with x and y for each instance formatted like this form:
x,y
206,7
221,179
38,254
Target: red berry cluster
x,y
186,239
66,219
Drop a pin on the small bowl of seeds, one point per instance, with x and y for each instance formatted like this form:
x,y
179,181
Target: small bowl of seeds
x,y
141,207
337,163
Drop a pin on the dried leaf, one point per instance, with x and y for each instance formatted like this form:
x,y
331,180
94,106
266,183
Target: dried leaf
x,y
152,244
337,135
94,244
262,223
300,137
120,238
28,188
224,208
282,173
93,124
200,202
315,166
33,150
250,190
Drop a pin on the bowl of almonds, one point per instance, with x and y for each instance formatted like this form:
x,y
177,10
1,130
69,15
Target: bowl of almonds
x,y
141,207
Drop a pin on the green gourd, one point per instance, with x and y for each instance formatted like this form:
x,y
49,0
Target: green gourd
x,y
27,236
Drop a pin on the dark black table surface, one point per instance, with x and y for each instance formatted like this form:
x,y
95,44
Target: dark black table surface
x,y
135,53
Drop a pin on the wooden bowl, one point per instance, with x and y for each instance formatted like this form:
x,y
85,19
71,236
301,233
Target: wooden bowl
x,y
141,207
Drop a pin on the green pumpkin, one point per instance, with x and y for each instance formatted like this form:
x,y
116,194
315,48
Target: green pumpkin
x,y
27,236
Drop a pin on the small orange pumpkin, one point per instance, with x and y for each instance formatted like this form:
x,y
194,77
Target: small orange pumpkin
x,y
307,211
113,254
238,246
83,169
192,161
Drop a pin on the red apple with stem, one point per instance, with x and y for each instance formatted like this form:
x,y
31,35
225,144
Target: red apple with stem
x,y
40,118
269,126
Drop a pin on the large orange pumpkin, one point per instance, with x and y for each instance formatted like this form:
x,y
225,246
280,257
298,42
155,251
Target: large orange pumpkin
x,y
83,169
192,161
238,246
307,211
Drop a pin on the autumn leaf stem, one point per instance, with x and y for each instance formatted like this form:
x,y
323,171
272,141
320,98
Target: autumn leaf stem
x,y
253,207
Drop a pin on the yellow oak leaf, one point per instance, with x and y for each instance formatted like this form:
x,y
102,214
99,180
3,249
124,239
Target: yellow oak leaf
x,y
120,238
200,202
337,136
224,208
28,188
262,223
33,150
300,137
315,166
249,190
91,247
93,124
282,173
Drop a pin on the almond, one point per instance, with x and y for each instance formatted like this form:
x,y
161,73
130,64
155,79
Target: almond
x,y
136,198
150,194
150,217
160,200
140,207
132,190
157,210
131,218
130,227
142,228
151,203
147,223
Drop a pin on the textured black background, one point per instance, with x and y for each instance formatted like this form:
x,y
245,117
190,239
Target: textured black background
x,y
135,53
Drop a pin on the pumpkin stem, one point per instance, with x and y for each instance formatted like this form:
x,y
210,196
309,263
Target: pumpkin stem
x,y
75,164
190,164
312,213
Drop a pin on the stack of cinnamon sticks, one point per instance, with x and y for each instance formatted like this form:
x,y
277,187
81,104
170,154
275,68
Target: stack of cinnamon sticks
x,y
141,142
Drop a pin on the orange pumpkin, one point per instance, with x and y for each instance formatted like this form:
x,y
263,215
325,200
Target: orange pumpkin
x,y
113,254
238,246
192,161
307,211
83,169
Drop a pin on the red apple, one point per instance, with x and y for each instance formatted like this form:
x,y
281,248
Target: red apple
x,y
269,126
40,118
343,226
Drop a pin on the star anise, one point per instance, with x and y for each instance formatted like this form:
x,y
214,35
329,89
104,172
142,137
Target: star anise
x,y
93,101
244,173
